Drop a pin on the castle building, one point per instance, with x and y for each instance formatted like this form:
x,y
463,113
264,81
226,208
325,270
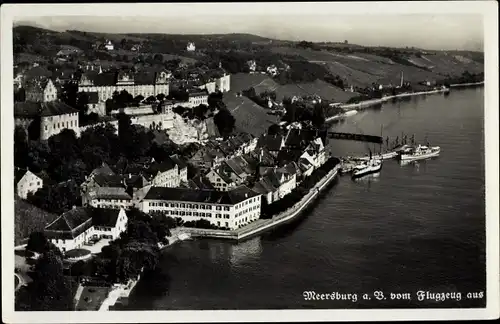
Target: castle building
x,y
53,116
106,83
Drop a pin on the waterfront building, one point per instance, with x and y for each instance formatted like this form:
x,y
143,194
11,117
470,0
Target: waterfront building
x,y
109,197
228,209
276,183
76,227
26,182
53,116
106,83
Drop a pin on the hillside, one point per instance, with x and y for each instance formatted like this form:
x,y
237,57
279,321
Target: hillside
x,y
28,219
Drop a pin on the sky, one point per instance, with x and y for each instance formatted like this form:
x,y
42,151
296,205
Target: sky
x,y
429,31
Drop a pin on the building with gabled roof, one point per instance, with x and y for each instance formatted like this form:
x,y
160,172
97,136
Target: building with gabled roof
x,y
275,183
76,227
53,116
40,90
26,182
227,209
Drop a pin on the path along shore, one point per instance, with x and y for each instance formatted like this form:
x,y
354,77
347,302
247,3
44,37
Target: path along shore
x,y
373,102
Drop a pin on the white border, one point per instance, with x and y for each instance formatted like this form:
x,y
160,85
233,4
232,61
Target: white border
x,y
488,9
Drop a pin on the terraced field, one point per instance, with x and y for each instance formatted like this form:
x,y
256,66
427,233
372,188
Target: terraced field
x,y
362,69
250,117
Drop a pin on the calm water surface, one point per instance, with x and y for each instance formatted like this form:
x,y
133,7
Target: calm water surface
x,y
414,227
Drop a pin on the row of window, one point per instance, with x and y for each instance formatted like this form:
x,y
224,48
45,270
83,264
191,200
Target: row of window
x,y
246,202
195,214
189,206
246,211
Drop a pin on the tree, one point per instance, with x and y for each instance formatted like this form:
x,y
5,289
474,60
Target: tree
x,y
274,129
225,122
160,97
318,117
34,129
20,147
37,242
49,290
150,100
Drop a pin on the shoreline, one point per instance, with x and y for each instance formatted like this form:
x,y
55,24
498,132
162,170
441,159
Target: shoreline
x,y
262,225
372,102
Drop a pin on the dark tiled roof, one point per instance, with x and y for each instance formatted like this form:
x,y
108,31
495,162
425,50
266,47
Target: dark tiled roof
x,y
110,193
271,142
200,183
135,181
26,109
108,180
44,109
163,166
181,164
70,224
235,167
103,169
232,197
105,216
287,156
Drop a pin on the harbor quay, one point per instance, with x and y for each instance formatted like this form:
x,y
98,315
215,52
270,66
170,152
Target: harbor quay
x,y
262,225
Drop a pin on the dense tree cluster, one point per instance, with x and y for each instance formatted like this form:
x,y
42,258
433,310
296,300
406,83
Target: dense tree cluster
x,y
66,159
301,111
50,290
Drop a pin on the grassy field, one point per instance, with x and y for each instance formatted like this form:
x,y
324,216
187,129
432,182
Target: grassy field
x,y
250,117
28,219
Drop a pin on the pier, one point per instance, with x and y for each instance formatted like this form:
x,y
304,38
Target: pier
x,y
356,137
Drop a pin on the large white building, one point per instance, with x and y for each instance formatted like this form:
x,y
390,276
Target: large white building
x,y
105,84
53,116
76,227
27,182
229,209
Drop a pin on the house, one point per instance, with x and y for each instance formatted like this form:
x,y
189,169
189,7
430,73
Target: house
x,y
206,158
276,183
199,182
109,46
74,228
252,65
228,209
109,197
272,70
94,105
220,179
163,174
181,167
40,90
272,143
53,116
26,182
197,98
190,47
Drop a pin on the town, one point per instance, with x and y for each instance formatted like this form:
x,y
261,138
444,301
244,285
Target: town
x,y
121,150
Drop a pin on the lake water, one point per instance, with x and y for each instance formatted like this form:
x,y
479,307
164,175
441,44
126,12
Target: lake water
x,y
414,227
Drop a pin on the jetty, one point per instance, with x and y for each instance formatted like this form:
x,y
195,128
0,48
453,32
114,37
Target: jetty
x,y
356,137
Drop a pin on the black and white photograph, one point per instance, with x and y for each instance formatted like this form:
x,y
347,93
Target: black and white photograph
x,y
317,161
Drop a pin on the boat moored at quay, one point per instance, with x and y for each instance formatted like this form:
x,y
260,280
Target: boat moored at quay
x,y
373,166
419,152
